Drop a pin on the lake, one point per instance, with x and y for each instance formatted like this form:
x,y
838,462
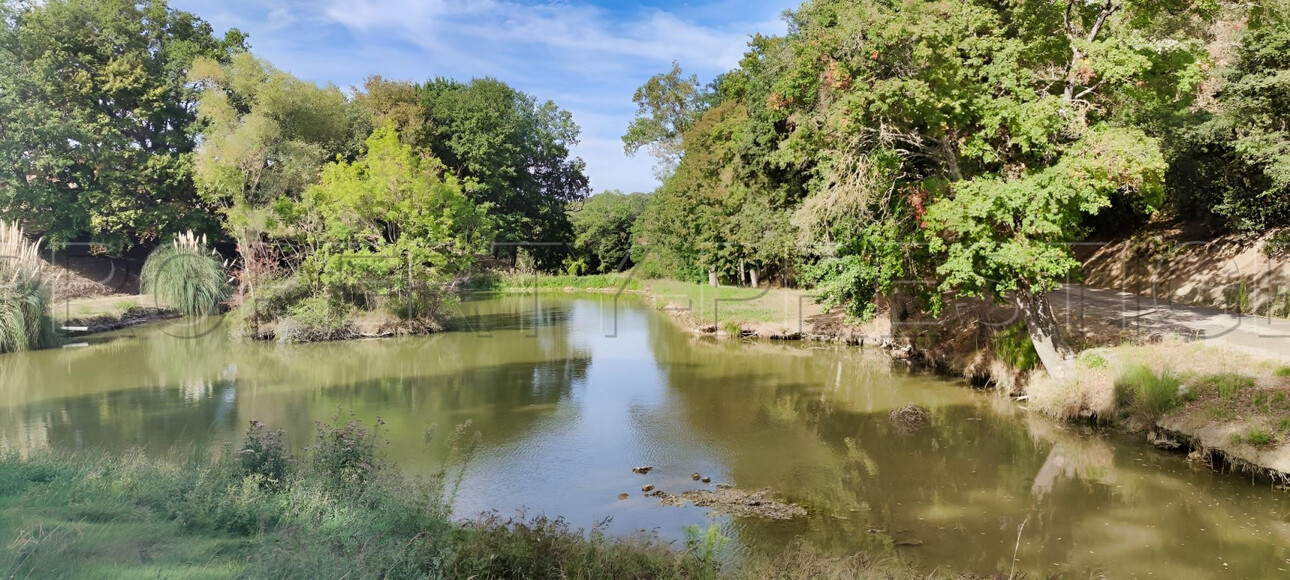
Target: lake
x,y
566,393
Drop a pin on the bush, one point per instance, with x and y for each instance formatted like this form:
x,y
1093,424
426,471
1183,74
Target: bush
x,y
264,454
312,319
185,276
25,323
1141,391
346,455
544,548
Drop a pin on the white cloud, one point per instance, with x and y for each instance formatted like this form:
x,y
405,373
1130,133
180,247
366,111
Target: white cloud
x,y
589,32
588,59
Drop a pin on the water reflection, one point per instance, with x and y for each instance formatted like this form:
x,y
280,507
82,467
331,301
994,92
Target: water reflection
x,y
568,393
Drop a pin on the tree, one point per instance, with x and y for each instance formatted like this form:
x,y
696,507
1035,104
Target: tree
x,y
602,227
97,121
666,105
393,217
1239,159
267,134
516,153
987,131
1003,227
1009,235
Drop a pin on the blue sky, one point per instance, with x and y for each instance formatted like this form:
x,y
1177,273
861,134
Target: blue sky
x,y
588,57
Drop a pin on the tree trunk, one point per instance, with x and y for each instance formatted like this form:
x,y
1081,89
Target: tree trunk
x,y
1057,356
712,278
743,273
753,273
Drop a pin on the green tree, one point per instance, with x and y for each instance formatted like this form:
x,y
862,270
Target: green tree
x,y
666,105
267,134
992,130
393,217
517,152
602,227
97,119
1239,160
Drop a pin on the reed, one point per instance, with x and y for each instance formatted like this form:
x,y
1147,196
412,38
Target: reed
x,y
25,323
186,275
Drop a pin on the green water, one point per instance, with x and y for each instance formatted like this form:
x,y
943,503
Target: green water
x,y
568,393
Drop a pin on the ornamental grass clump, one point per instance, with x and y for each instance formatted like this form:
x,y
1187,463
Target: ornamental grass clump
x,y
186,275
25,323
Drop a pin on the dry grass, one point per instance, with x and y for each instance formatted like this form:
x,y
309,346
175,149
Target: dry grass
x,y
1229,384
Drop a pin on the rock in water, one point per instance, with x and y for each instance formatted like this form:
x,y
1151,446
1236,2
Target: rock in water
x,y
643,469
706,480
622,496
694,476
647,488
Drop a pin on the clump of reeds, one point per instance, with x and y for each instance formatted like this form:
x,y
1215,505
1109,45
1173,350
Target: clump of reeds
x,y
186,275
25,323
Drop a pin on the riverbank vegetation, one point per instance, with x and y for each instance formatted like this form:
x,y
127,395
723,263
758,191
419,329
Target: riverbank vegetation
x,y
186,275
25,323
872,143
338,509
963,146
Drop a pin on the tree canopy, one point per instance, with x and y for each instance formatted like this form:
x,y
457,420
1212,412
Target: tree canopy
x,y
962,142
97,119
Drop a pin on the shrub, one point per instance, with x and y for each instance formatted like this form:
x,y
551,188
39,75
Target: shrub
x,y
25,323
1141,391
185,276
313,319
264,454
347,455
1282,372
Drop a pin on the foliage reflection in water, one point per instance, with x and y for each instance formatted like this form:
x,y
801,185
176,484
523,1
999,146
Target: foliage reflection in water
x,y
568,393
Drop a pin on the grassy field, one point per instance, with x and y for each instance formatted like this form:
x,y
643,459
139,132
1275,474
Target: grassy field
x,y
555,283
767,310
337,511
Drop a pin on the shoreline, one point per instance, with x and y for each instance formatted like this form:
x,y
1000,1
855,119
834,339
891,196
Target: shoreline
x,y
1181,431
1184,430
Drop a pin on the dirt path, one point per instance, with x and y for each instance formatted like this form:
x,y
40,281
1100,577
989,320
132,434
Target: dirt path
x,y
1145,316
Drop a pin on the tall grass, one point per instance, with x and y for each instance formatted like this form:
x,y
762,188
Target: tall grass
x,y
186,276
1141,391
25,323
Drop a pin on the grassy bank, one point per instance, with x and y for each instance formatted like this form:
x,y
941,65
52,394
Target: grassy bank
x,y
1229,408
762,310
338,510
514,282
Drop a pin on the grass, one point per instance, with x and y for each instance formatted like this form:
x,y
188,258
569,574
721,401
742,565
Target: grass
x,y
338,510
1281,372
25,322
186,276
551,282
1255,436
1228,384
714,306
1145,393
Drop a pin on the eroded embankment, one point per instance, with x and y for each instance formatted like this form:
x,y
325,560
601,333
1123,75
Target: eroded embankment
x,y
1226,408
